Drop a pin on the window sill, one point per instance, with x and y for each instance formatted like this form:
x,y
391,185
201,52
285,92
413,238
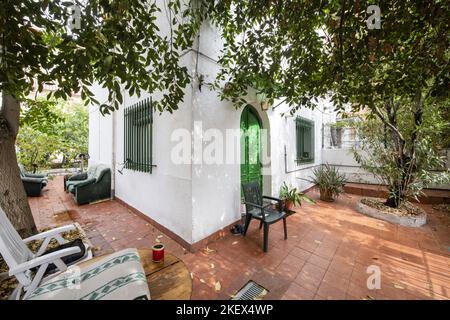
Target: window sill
x,y
300,163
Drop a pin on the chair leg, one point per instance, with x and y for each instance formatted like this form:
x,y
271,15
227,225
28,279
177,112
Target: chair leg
x,y
266,236
285,228
248,218
260,224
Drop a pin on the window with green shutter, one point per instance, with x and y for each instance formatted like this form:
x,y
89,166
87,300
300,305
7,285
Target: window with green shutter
x,y
305,140
138,123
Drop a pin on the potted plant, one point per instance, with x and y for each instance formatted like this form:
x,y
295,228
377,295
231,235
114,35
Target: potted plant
x,y
329,181
292,197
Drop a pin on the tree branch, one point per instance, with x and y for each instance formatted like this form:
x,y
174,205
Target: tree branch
x,y
377,112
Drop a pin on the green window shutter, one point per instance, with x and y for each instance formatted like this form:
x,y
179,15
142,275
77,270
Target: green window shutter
x,y
305,140
138,136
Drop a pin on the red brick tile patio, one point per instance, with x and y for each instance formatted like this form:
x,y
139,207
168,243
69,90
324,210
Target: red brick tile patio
x,y
326,256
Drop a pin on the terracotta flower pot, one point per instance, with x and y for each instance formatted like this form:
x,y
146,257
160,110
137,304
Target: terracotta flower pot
x,y
288,205
326,195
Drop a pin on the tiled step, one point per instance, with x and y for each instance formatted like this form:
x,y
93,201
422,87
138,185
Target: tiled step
x,y
432,196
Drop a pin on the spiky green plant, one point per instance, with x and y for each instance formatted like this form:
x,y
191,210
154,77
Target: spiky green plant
x,y
328,179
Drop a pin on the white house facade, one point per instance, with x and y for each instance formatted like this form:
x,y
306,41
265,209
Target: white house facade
x,y
198,194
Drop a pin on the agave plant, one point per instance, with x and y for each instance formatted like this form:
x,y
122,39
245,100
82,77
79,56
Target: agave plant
x,y
329,181
293,197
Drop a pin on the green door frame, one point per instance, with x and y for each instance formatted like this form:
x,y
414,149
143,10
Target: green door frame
x,y
250,146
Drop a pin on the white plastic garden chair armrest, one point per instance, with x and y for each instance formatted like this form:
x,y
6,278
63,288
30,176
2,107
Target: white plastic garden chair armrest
x,y
51,233
48,258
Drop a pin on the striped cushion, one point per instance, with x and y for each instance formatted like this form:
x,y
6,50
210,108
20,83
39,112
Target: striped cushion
x,y
118,276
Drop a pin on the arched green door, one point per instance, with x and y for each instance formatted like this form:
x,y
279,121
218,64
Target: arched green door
x,y
250,147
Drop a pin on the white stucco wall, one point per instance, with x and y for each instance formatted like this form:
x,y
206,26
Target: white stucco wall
x,y
284,138
165,194
344,160
196,200
346,163
215,186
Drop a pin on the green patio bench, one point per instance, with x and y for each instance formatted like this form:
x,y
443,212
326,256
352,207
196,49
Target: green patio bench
x,y
90,186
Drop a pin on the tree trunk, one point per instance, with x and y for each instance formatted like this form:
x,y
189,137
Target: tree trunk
x,y
13,198
394,199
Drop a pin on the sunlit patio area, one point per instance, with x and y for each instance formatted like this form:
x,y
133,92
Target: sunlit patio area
x,y
329,249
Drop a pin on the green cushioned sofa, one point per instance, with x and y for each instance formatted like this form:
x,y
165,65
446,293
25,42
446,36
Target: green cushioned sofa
x,y
32,182
90,186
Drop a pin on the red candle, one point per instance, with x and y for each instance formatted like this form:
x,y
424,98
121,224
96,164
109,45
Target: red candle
x,y
158,252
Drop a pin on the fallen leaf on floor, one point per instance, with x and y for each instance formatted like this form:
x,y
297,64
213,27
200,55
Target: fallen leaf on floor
x,y
235,242
98,248
398,286
157,240
368,298
113,238
374,258
318,241
202,281
212,265
217,286
207,250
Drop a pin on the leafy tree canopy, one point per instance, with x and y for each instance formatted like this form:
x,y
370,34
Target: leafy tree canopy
x,y
118,42
299,50
295,50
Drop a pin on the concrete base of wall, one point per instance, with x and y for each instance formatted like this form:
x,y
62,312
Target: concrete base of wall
x,y
188,246
407,221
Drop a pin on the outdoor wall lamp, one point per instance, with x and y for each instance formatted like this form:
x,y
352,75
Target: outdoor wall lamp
x,y
262,100
264,106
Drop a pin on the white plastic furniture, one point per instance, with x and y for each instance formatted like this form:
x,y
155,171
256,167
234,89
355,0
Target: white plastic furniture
x,y
21,260
117,276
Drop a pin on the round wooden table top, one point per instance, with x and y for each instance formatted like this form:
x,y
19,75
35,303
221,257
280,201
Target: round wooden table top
x,y
168,280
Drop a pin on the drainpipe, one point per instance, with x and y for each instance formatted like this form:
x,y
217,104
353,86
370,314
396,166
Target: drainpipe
x,y
113,156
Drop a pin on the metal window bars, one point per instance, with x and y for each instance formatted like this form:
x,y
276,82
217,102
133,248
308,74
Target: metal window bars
x,y
138,136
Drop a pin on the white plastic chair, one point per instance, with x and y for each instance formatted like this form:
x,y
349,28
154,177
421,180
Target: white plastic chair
x,y
21,260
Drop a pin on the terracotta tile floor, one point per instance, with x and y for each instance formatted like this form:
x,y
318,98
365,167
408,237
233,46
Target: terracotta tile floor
x,y
326,256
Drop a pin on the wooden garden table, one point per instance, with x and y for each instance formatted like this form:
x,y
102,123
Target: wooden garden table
x,y
169,280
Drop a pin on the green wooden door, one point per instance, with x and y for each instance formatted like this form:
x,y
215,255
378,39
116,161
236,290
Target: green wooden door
x,y
250,147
